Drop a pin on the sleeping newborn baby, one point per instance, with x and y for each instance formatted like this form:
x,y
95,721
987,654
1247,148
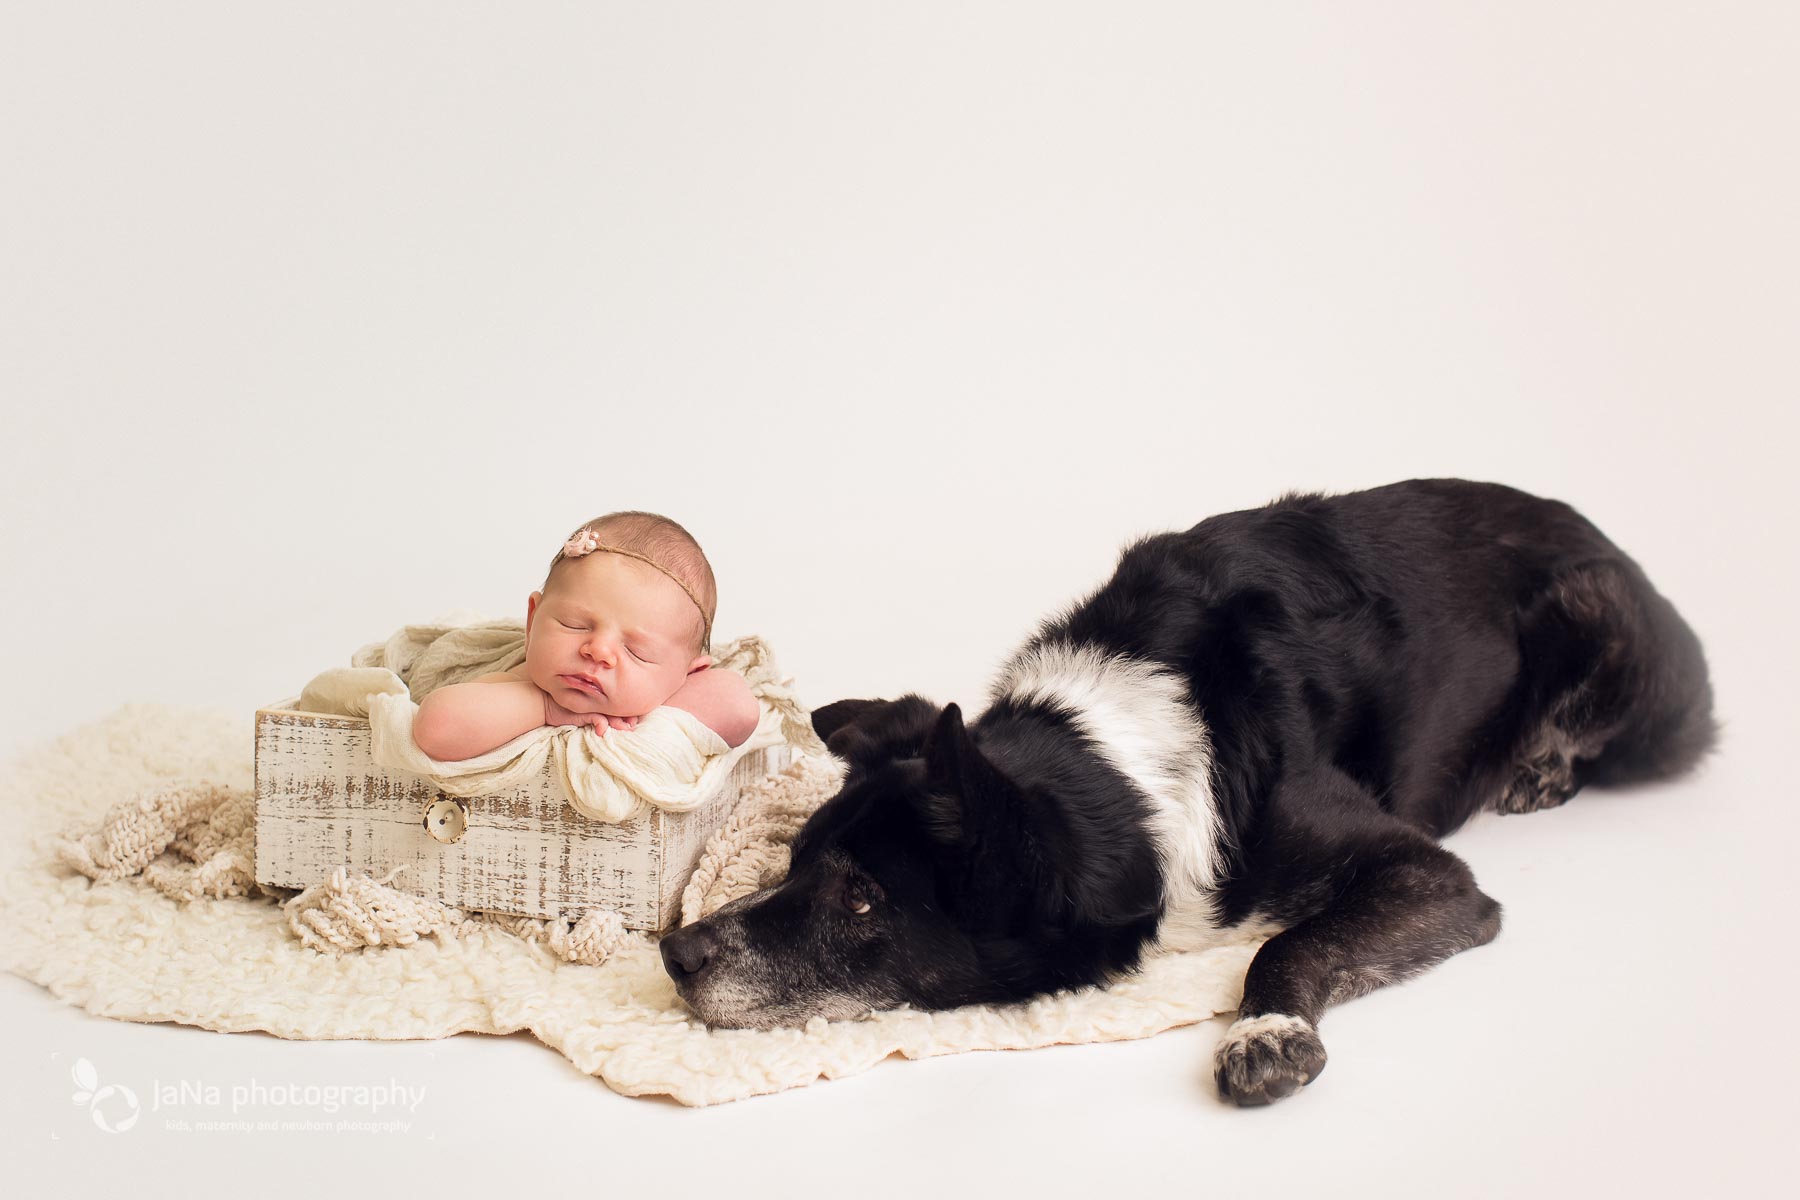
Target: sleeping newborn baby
x,y
621,626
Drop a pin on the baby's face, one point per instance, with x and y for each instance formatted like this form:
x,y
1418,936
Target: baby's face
x,y
618,621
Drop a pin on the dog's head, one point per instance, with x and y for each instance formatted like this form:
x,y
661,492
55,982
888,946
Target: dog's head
x,y
931,879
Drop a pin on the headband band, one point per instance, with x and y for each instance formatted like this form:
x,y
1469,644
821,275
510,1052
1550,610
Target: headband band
x,y
585,541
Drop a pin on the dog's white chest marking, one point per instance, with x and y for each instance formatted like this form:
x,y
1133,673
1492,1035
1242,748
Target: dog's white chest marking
x,y
1137,716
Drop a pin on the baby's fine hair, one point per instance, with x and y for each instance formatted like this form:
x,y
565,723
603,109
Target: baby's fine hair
x,y
665,543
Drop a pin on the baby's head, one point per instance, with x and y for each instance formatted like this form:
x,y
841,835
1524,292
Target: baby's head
x,y
628,606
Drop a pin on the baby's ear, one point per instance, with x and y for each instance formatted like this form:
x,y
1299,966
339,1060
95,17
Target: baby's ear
x,y
700,664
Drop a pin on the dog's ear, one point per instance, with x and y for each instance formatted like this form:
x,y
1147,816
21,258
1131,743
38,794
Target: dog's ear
x,y
967,799
869,732
975,814
1012,857
959,779
833,717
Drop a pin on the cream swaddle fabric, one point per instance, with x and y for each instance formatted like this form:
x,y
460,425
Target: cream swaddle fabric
x,y
671,760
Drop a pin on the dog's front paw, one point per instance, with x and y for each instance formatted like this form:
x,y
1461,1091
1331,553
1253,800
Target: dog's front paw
x,y
1261,1059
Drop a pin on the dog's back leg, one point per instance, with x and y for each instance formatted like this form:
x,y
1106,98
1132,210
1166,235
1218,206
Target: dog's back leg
x,y
1617,687
1398,904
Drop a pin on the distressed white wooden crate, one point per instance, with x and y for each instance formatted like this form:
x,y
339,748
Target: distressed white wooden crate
x,y
322,802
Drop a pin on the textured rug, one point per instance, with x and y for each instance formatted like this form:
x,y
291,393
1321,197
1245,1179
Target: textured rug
x,y
131,951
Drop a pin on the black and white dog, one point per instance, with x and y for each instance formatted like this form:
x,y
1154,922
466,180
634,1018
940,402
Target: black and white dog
x,y
1262,724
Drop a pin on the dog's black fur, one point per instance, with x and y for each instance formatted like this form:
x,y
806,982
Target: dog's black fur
x,y
1371,670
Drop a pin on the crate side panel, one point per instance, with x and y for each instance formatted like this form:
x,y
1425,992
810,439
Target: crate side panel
x,y
322,802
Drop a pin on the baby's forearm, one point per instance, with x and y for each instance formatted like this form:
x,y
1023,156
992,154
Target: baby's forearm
x,y
466,719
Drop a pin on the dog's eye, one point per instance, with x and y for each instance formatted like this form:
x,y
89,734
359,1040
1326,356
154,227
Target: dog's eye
x,y
856,900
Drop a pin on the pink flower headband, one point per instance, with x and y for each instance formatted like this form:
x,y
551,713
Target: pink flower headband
x,y
585,541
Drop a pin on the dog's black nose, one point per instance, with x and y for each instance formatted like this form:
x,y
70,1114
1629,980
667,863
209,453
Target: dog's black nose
x,y
686,952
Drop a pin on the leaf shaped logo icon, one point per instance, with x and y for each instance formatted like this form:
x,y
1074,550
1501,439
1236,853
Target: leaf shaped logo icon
x,y
114,1107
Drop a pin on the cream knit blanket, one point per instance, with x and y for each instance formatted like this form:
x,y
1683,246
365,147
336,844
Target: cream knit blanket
x,y
132,951
671,760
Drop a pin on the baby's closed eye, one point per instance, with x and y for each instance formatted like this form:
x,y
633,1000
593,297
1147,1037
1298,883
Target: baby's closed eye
x,y
641,655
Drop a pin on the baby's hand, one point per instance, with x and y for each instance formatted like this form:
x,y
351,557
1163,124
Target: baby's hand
x,y
556,714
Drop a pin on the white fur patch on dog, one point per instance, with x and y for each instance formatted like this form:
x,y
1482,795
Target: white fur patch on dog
x,y
1138,717
1248,1029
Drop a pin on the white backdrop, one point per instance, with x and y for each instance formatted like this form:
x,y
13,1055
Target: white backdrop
x,y
316,320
